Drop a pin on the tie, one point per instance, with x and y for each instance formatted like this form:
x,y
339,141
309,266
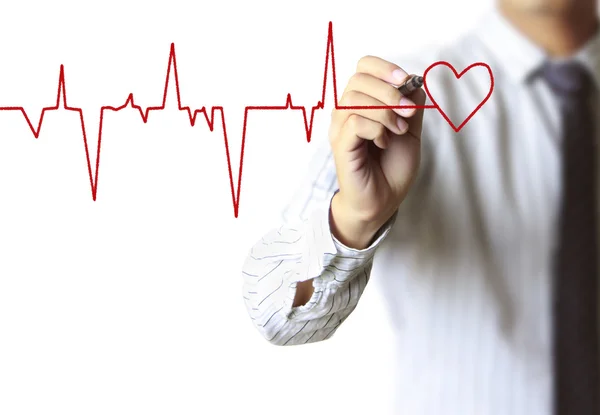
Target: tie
x,y
576,367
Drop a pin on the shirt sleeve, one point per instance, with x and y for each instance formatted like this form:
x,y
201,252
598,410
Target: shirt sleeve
x,y
302,249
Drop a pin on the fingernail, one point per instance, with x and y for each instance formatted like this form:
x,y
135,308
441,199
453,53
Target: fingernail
x,y
406,102
402,125
399,75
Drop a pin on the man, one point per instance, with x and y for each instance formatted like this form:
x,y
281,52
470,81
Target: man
x,y
485,240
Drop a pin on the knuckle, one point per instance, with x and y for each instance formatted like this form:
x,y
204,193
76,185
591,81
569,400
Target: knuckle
x,y
380,130
352,98
363,63
354,122
333,112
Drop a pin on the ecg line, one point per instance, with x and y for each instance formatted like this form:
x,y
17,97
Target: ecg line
x,y
192,115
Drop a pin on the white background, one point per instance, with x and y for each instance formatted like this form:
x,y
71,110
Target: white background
x,y
132,304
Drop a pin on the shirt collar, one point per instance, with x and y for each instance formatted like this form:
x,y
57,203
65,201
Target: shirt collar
x,y
589,55
520,57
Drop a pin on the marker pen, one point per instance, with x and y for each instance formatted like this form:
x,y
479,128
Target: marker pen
x,y
411,84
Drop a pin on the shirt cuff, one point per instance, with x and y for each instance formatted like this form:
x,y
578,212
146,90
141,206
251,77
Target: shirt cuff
x,y
321,249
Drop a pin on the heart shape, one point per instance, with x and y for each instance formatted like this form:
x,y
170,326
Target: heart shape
x,y
458,76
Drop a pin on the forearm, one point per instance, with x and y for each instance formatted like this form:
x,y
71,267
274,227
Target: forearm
x,y
331,277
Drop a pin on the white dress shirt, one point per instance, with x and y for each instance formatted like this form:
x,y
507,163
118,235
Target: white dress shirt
x,y
465,264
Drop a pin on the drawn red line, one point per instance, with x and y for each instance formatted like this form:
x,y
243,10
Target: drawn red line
x,y
193,115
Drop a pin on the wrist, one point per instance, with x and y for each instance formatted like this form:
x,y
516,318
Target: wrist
x,y
350,229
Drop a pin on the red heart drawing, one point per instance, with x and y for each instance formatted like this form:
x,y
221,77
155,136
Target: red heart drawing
x,y
458,76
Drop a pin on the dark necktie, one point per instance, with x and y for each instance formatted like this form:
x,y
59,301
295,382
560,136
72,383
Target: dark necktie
x,y
576,367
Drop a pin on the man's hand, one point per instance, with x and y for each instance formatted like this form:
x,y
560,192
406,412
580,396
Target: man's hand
x,y
376,151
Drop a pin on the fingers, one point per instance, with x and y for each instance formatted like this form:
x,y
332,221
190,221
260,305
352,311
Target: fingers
x,y
382,91
374,86
387,117
358,128
382,69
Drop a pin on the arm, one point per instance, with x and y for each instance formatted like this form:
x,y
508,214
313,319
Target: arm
x,y
304,279
300,281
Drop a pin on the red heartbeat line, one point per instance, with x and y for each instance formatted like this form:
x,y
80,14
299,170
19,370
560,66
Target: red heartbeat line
x,y
235,195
